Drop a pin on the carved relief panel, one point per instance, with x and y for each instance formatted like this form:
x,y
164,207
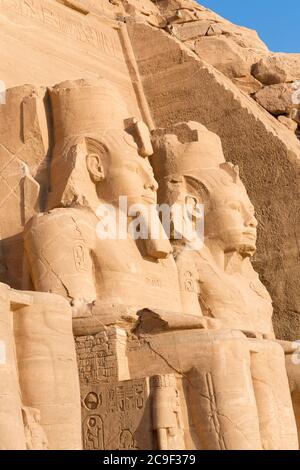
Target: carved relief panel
x,y
117,416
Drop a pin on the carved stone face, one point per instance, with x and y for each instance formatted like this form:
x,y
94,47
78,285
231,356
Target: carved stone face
x,y
231,220
127,173
229,213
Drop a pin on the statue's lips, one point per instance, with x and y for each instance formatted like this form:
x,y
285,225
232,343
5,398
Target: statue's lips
x,y
251,235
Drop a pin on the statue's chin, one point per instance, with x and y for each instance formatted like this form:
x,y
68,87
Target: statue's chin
x,y
247,250
245,245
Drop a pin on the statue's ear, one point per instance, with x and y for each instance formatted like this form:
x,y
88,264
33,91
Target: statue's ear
x,y
96,160
200,189
95,167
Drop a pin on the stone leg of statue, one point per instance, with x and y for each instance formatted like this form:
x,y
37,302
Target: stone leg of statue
x,y
240,396
275,410
221,396
292,362
294,376
236,390
47,368
12,435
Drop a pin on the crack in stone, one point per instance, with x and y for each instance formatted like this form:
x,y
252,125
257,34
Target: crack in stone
x,y
164,359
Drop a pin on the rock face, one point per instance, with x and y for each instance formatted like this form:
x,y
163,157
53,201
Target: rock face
x,y
224,54
235,51
277,99
122,328
277,68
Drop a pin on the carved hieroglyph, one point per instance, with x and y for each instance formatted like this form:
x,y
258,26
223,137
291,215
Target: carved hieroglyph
x,y
117,416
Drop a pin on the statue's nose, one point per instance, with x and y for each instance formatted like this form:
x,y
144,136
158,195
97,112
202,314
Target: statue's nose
x,y
152,185
252,222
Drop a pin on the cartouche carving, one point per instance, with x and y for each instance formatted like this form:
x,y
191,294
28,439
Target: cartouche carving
x,y
117,415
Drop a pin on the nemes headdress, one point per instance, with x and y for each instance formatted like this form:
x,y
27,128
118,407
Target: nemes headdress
x,y
84,107
188,148
185,147
85,114
189,151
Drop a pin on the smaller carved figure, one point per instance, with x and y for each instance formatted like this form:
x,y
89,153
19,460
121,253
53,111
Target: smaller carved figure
x,y
127,441
36,438
167,418
93,433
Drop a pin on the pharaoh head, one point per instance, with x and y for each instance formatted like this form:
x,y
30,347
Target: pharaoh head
x,y
189,165
99,153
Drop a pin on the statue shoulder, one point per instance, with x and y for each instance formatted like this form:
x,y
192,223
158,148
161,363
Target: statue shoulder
x,y
58,245
62,223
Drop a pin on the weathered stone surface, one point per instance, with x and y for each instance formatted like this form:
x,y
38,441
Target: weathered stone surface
x,y
295,115
23,174
277,68
117,416
186,11
277,99
223,54
248,84
216,40
288,122
195,29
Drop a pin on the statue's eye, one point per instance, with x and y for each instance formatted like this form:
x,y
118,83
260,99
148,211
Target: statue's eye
x,y
174,179
133,168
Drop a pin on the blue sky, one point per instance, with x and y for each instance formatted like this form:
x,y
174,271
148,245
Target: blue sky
x,y
277,22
